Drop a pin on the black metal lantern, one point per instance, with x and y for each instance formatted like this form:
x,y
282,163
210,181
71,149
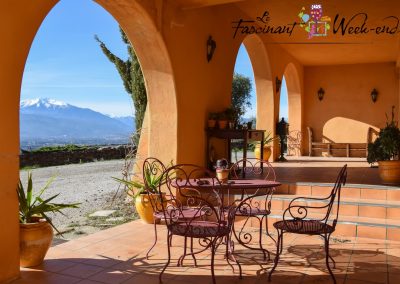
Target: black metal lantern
x,y
282,129
374,95
211,46
321,93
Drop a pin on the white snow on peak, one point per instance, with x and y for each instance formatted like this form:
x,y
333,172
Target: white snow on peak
x,y
43,102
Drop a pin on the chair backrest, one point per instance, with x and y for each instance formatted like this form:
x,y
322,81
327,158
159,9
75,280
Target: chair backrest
x,y
335,196
294,141
253,168
310,139
152,172
193,188
331,203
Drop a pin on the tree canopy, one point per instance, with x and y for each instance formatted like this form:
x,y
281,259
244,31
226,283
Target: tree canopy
x,y
132,77
241,94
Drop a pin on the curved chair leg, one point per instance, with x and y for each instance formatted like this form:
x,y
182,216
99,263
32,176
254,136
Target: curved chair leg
x,y
229,255
279,248
213,245
327,256
192,252
155,239
182,257
260,234
267,230
169,238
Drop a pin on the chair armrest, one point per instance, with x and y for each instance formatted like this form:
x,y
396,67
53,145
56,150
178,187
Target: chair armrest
x,y
300,211
305,199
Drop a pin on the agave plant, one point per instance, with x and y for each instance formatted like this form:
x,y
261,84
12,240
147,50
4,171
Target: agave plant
x,y
153,176
33,207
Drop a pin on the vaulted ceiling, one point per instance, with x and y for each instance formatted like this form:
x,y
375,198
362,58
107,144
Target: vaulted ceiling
x,y
335,48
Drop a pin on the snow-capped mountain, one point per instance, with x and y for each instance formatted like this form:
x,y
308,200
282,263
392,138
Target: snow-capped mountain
x,y
48,119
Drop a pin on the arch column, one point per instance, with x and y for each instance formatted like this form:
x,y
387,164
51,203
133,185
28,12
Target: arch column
x,y
264,87
294,99
19,22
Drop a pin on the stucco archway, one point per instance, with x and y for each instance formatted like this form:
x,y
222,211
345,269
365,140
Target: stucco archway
x,y
294,99
18,26
263,81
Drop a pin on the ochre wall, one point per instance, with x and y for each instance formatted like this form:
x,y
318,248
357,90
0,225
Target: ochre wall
x,y
347,110
182,86
18,25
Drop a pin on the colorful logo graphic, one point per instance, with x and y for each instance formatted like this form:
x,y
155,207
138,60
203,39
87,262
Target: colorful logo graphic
x,y
314,23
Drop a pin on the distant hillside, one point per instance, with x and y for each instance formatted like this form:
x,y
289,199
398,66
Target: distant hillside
x,y
47,121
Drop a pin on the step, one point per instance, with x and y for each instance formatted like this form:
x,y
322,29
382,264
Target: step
x,y
351,191
349,226
369,208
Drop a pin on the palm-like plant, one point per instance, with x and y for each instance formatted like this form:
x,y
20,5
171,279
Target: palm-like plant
x,y
153,177
33,207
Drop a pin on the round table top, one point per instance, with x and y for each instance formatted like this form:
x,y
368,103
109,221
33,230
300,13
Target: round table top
x,y
235,185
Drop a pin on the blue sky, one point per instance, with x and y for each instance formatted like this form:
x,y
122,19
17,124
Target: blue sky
x,y
65,62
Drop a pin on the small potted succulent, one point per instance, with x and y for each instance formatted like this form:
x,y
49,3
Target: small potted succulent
x,y
386,150
222,170
36,233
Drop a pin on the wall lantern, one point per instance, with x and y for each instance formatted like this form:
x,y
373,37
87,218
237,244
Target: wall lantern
x,y
321,94
211,46
374,95
278,84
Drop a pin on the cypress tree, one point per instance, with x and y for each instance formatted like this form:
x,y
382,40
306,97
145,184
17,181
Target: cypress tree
x,y
132,78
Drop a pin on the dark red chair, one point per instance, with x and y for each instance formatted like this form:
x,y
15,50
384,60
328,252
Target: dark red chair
x,y
195,188
300,223
155,168
258,207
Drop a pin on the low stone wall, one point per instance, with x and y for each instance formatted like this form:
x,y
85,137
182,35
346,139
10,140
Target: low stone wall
x,y
56,158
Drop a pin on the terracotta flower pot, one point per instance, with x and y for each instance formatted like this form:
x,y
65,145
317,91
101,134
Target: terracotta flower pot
x,y
266,152
222,174
389,171
211,123
143,204
222,124
35,240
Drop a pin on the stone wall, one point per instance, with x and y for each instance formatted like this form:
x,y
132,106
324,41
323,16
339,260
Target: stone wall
x,y
56,158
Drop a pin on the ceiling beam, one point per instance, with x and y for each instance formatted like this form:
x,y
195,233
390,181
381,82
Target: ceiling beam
x,y
197,4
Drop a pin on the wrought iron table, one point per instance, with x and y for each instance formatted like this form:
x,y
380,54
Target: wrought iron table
x,y
247,189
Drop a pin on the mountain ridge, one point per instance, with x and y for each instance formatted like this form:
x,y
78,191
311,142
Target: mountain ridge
x,y
52,120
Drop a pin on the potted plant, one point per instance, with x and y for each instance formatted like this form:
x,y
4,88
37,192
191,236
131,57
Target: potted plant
x,y
222,120
268,139
222,170
230,115
212,119
36,233
145,197
385,150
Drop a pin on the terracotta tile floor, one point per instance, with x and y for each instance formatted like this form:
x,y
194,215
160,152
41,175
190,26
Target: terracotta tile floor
x,y
117,255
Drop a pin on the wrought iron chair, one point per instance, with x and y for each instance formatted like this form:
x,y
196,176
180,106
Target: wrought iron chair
x,y
254,207
300,223
155,168
191,186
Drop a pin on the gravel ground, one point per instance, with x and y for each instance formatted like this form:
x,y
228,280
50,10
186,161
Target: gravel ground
x,y
90,184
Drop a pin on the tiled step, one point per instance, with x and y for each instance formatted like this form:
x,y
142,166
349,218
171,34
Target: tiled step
x,y
357,226
351,191
371,211
370,208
